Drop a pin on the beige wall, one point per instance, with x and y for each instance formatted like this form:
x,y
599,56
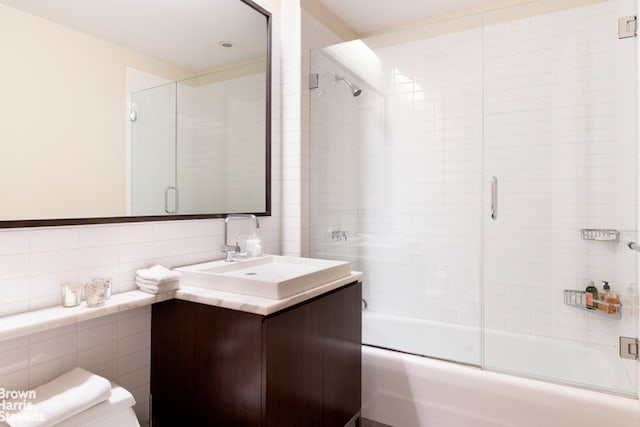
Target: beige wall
x,y
62,125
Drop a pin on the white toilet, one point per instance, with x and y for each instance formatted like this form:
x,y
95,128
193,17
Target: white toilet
x,y
116,411
95,401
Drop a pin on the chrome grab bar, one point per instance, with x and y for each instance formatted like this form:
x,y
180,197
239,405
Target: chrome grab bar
x,y
494,198
634,246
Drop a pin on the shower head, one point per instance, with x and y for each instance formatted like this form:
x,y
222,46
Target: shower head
x,y
355,90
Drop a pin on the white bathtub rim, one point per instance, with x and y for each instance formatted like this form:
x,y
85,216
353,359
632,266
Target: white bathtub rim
x,y
531,390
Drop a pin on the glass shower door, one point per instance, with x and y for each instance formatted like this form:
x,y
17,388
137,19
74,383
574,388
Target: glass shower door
x,y
153,151
560,159
396,183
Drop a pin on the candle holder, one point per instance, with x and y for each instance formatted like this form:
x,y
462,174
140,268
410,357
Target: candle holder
x,y
108,281
71,294
96,292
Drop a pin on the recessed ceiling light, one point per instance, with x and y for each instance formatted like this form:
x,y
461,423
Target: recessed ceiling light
x,y
225,43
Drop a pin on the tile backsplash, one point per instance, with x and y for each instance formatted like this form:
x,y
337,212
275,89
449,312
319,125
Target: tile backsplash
x,y
34,262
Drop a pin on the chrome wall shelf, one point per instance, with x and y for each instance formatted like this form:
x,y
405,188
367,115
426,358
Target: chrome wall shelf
x,y
601,235
577,299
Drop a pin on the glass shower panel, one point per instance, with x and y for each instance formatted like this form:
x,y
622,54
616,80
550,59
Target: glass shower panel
x,y
560,156
153,151
396,182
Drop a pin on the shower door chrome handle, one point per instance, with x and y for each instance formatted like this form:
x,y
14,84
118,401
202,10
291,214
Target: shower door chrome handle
x,y
176,204
494,198
166,200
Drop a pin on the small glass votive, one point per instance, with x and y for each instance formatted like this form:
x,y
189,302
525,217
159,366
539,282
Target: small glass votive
x,y
108,281
95,293
71,294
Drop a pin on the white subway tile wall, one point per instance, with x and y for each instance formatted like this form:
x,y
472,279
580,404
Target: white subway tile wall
x,y
290,172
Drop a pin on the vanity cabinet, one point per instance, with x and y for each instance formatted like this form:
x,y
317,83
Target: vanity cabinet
x,y
301,366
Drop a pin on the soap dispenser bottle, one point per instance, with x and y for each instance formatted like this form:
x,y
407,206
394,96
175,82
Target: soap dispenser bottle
x,y
591,295
254,246
609,298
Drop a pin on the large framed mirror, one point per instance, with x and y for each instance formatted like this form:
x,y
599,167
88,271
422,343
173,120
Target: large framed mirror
x,y
137,110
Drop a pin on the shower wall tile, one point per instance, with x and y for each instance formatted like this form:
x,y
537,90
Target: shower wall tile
x,y
433,141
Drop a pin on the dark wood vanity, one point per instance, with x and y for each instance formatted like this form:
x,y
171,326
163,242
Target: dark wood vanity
x,y
214,366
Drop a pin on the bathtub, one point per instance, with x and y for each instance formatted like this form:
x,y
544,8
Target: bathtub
x,y
405,390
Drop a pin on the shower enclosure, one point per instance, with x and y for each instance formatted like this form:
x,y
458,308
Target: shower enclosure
x,y
481,179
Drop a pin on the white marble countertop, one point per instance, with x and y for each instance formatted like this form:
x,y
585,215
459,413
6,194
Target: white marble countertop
x,y
22,324
31,322
258,305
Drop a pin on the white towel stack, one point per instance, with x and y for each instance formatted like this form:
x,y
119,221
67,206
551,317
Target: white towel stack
x,y
157,279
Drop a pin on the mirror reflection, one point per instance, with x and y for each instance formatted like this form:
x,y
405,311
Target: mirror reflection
x,y
192,150
132,108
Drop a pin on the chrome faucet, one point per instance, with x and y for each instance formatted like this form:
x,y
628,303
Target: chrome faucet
x,y
233,250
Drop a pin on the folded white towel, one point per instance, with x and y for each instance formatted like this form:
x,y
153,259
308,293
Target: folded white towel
x,y
158,289
153,282
155,291
62,398
160,285
158,274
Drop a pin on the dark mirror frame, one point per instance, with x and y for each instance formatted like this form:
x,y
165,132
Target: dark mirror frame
x,y
123,219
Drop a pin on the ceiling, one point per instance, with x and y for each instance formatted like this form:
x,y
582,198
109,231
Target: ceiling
x,y
185,32
367,16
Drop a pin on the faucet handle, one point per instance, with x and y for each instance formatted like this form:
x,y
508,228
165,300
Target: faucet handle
x,y
230,248
230,251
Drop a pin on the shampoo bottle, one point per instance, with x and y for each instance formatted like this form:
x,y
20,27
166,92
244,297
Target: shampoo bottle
x,y
591,295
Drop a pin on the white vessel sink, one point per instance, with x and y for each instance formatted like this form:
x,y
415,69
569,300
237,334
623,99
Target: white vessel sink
x,y
270,276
